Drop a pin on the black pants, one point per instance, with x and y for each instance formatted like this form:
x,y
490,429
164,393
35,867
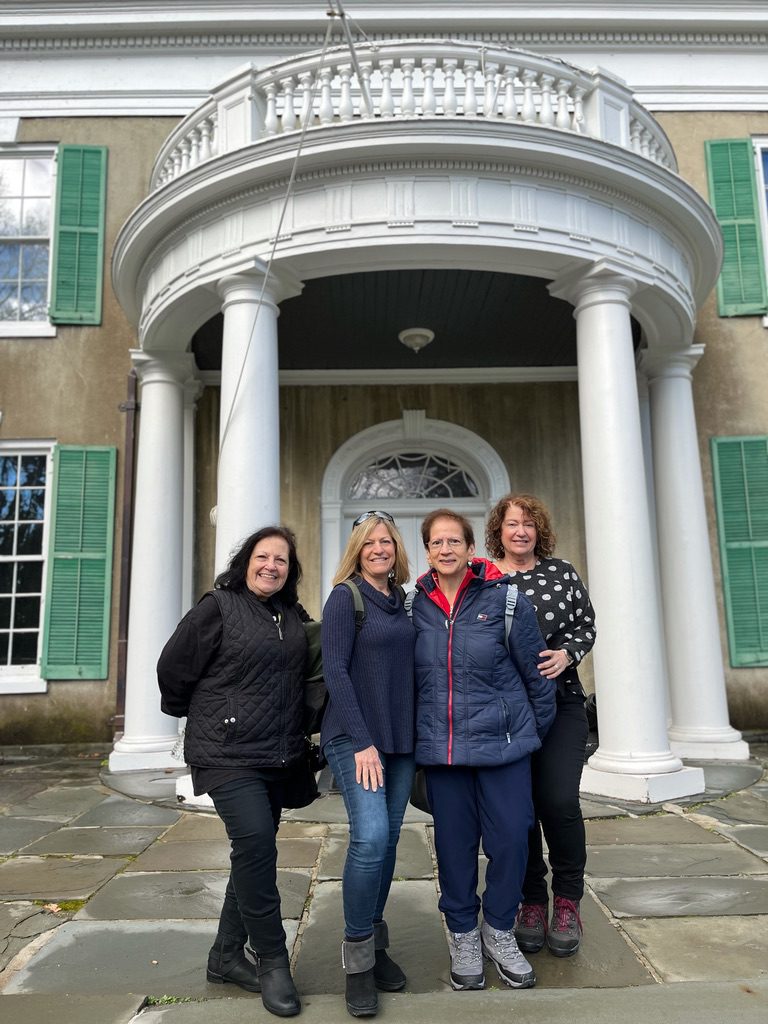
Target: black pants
x,y
250,809
556,774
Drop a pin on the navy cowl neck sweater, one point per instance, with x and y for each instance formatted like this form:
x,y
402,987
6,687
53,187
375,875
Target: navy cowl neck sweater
x,y
369,674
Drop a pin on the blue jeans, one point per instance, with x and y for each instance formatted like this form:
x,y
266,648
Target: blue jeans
x,y
374,829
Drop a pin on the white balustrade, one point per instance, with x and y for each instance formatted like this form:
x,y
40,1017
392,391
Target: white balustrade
x,y
410,79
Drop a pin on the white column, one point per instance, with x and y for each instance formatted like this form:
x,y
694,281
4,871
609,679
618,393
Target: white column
x,y
248,492
155,603
633,760
192,391
700,726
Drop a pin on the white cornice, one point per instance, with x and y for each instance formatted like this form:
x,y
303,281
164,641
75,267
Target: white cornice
x,y
287,41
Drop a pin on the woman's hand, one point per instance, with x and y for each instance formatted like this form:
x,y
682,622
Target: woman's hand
x,y
553,663
368,768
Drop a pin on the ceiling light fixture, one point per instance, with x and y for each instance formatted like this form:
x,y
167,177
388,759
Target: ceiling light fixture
x,y
415,338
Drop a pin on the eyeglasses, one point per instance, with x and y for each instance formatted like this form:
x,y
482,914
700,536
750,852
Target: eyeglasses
x,y
452,542
369,515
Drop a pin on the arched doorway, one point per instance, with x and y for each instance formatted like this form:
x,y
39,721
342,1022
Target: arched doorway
x,y
408,467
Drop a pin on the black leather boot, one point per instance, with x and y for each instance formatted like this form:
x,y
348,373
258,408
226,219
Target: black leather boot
x,y
387,975
358,959
227,962
278,992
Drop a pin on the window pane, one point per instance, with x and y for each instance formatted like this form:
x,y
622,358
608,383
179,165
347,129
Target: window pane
x,y
6,577
37,177
33,304
9,303
11,172
10,217
36,217
27,613
24,649
6,539
34,262
9,261
29,577
31,503
3,648
5,612
8,469
7,505
32,470
30,540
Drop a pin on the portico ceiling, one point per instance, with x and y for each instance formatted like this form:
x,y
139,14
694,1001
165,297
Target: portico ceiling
x,y
352,321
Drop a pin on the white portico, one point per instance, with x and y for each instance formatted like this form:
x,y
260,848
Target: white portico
x,y
451,156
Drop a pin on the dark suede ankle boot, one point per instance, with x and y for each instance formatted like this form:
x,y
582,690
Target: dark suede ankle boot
x,y
227,962
358,959
278,992
387,975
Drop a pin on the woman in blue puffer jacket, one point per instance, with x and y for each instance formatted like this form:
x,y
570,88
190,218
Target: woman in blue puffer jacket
x,y
482,708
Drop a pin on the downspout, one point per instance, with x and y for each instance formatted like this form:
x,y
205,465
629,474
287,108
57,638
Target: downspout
x,y
130,407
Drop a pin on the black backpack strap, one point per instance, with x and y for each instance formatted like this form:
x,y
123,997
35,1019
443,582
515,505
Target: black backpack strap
x,y
357,599
509,611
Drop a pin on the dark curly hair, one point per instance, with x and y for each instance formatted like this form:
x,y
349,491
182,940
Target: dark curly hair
x,y
537,510
233,577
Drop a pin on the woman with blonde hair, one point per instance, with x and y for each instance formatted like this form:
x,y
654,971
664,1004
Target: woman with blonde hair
x,y
367,738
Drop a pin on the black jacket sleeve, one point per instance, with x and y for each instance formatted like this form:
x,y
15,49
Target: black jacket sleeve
x,y
187,655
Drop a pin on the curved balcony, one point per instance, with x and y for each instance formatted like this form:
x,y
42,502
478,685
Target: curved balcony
x,y
413,79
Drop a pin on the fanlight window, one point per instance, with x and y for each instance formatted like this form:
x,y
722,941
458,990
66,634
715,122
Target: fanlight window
x,y
413,475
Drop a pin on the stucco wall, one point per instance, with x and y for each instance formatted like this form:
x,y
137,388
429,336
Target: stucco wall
x,y
69,388
730,383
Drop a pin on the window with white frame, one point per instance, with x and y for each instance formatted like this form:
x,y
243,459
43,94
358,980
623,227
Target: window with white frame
x,y
26,197
24,516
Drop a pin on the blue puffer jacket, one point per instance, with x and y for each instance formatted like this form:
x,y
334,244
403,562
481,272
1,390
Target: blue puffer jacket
x,y
478,703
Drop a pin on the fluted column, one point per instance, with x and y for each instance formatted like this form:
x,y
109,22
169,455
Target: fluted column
x,y
699,709
633,760
156,564
248,490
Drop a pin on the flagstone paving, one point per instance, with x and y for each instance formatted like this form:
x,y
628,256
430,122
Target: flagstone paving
x,y
108,897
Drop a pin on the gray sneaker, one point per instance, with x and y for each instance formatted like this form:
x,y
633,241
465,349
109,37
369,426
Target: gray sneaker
x,y
500,947
466,960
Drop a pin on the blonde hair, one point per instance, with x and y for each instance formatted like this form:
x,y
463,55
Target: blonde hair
x,y
349,566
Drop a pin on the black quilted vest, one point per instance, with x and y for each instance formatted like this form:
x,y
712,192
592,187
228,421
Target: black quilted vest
x,y
247,709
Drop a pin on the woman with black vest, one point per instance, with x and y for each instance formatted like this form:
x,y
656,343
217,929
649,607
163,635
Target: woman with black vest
x,y
235,667
367,737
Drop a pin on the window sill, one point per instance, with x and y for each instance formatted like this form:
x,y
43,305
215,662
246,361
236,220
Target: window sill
x,y
24,329
19,683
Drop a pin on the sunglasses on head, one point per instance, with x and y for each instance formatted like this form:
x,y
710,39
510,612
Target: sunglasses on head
x,y
369,515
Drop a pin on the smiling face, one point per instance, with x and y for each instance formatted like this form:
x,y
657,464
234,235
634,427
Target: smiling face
x,y
377,555
447,550
518,534
268,567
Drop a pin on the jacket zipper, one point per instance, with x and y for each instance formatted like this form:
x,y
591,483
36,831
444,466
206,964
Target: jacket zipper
x,y
276,618
449,626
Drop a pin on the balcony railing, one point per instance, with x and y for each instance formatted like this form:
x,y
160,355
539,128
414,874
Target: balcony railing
x,y
403,81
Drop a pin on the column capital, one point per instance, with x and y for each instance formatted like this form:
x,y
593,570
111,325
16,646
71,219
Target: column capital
x,y
163,367
601,282
657,363
248,283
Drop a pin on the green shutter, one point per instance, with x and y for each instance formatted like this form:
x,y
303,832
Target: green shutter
x,y
78,235
741,288
79,588
741,492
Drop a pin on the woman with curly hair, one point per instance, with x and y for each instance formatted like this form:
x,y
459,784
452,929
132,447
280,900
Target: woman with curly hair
x,y
520,539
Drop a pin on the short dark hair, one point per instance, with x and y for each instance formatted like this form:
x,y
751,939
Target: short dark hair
x,y
233,577
446,513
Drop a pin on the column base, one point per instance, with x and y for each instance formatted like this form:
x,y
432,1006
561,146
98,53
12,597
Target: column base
x,y
136,754
708,744
644,789
186,797
703,750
